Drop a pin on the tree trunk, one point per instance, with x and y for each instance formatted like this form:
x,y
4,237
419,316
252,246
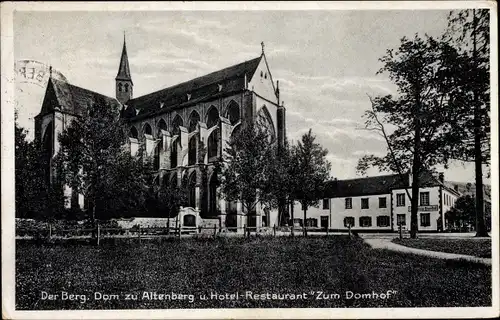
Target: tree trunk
x,y
415,172
168,224
93,220
414,206
281,211
478,156
304,224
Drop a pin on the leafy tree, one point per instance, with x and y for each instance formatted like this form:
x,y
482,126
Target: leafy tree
x,y
169,200
245,174
26,193
35,197
284,180
97,163
418,118
469,74
312,171
463,213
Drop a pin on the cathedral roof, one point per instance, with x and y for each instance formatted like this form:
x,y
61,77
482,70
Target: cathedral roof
x,y
209,86
124,68
70,99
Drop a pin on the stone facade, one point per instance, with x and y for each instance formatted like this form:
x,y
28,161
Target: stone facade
x,y
184,128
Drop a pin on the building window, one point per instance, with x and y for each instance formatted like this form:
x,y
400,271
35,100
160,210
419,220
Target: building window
x,y
349,221
382,202
400,200
120,87
192,151
424,198
126,87
425,219
324,222
401,220
348,203
365,221
312,222
364,203
297,222
383,221
326,204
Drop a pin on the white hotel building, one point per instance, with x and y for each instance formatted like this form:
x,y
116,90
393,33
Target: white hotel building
x,y
380,203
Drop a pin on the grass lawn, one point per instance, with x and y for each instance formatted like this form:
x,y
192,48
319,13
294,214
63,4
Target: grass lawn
x,y
473,247
267,265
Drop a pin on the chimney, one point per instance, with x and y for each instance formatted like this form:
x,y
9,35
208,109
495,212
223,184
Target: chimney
x,y
441,177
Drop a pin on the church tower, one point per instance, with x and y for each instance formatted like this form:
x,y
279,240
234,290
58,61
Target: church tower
x,y
124,84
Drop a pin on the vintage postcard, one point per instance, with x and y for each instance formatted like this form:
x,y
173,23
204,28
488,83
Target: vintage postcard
x,y
249,160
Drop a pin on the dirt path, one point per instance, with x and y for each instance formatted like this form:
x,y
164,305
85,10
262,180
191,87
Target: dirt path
x,y
387,244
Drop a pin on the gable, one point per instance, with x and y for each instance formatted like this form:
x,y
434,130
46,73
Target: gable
x,y
70,99
262,82
50,101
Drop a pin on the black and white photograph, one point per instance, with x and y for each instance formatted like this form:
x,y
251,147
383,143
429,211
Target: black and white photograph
x,y
249,160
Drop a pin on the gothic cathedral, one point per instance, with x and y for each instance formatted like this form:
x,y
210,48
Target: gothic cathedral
x,y
174,124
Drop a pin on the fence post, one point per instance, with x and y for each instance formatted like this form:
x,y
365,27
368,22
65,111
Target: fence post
x,y
274,230
400,231
349,229
215,230
244,230
50,231
178,225
139,233
98,233
327,231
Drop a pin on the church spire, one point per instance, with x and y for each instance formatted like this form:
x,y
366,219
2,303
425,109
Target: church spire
x,y
124,68
124,84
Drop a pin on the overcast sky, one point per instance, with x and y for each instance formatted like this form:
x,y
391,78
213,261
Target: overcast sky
x,y
325,60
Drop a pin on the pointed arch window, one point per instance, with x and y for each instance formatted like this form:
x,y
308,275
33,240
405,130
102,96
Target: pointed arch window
x,y
233,113
133,133
120,87
192,152
126,87
192,190
213,145
212,194
147,129
235,132
265,121
212,117
194,118
162,125
176,124
173,154
157,154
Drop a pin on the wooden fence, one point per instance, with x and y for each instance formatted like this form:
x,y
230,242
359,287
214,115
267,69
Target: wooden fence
x,y
138,232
